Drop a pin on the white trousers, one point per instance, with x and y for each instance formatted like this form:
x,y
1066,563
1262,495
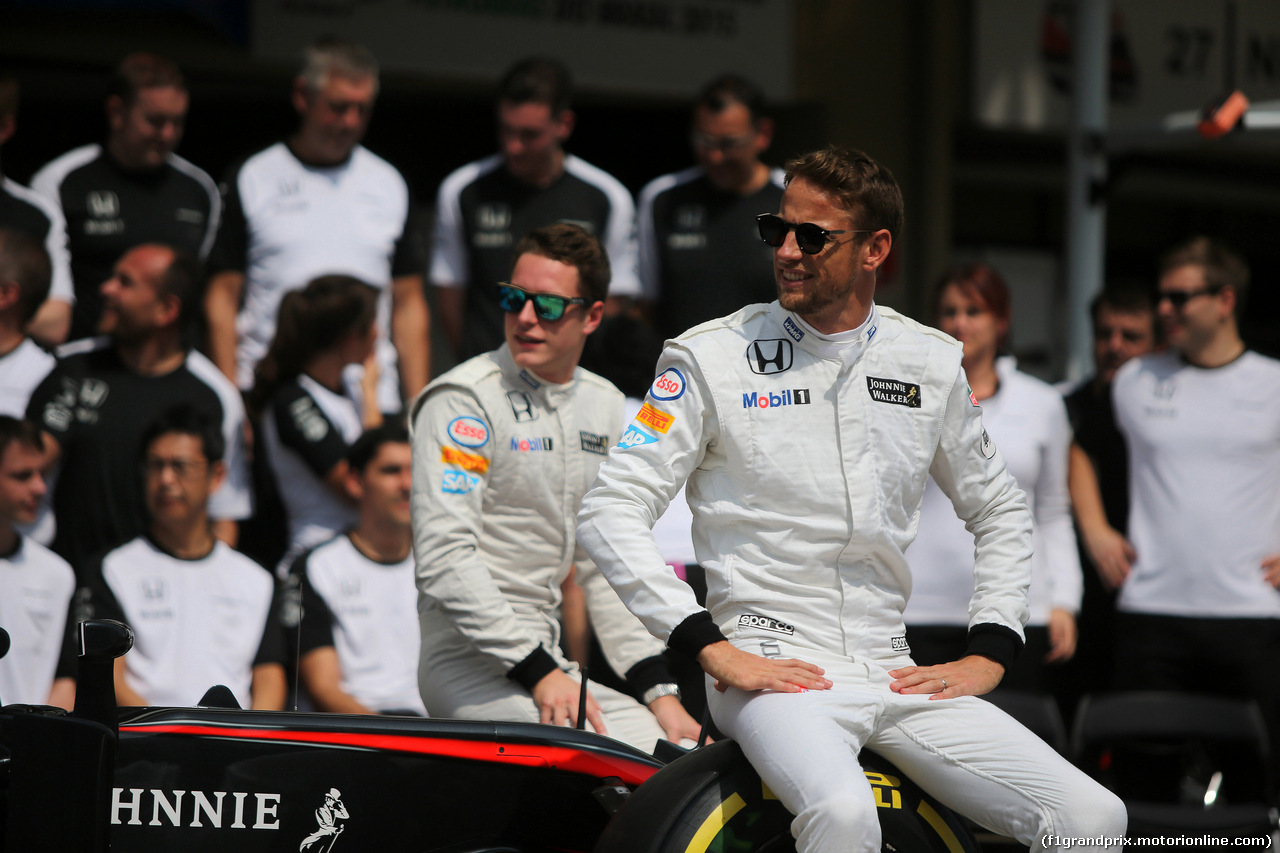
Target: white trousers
x,y
967,753
471,687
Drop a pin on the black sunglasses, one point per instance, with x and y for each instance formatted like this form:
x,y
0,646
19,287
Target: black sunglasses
x,y
1179,298
809,237
547,306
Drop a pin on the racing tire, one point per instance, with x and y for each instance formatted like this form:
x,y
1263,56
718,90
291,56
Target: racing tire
x,y
713,801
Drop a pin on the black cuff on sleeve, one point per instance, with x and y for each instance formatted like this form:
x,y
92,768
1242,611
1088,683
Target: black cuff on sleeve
x,y
695,633
647,673
533,668
998,642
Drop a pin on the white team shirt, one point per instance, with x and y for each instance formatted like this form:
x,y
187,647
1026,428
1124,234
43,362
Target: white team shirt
x,y
1027,419
55,242
196,623
21,370
375,623
315,513
307,221
36,586
1204,485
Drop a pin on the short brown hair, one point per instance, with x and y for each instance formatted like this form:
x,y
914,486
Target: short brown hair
x,y
572,245
18,431
139,71
537,80
25,261
866,188
1222,265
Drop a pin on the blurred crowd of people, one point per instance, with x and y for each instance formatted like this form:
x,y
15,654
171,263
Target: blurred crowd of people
x,y
198,380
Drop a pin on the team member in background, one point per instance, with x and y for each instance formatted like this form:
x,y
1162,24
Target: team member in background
x,y
484,207
35,584
1029,421
359,631
1199,608
291,215
202,614
132,189
504,447
98,400
806,429
312,408
26,211
700,256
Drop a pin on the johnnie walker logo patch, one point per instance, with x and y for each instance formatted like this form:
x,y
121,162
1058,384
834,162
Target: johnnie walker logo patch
x,y
894,391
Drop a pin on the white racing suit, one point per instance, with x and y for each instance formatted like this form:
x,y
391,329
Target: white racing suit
x,y
501,460
806,460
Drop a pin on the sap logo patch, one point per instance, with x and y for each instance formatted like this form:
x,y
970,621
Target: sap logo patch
x,y
658,420
592,443
899,644
987,446
771,400
532,445
465,461
793,329
469,431
458,482
668,386
634,437
770,356
521,406
894,391
765,623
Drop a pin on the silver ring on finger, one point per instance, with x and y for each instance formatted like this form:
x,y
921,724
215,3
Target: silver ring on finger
x,y
944,684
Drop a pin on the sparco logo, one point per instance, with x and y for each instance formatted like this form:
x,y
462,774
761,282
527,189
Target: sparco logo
x,y
241,809
764,623
899,644
786,397
894,391
769,356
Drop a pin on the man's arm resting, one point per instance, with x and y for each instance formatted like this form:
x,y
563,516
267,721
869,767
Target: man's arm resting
x,y
221,304
321,674
125,695
1108,550
52,322
451,302
267,689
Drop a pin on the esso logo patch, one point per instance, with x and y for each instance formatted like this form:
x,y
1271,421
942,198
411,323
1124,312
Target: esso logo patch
x,y
469,431
668,386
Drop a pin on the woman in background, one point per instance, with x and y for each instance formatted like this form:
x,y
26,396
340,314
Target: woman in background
x,y
314,401
1027,420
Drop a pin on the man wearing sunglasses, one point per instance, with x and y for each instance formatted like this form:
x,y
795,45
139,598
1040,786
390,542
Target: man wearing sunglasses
x,y
806,429
1198,606
504,447
699,255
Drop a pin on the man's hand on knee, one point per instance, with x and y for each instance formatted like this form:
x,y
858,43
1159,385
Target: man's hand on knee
x,y
970,676
732,667
556,696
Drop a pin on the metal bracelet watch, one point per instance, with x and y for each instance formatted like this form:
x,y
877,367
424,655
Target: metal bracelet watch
x,y
657,691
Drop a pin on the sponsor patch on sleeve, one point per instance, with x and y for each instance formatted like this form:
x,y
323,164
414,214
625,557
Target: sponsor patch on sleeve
x,y
657,420
668,386
634,437
458,482
987,446
972,399
469,431
465,461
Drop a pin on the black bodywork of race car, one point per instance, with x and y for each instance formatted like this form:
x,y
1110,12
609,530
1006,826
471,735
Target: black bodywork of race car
x,y
217,778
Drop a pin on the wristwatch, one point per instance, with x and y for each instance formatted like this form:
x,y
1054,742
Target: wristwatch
x,y
657,691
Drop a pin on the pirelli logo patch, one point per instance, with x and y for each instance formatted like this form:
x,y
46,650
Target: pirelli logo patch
x,y
894,391
465,461
765,623
654,418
